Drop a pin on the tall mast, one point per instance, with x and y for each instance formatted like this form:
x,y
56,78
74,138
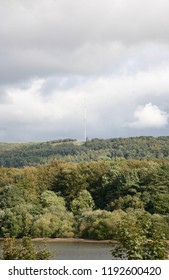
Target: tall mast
x,y
85,120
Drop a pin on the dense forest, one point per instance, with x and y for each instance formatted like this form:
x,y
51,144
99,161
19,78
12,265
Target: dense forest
x,y
86,199
70,150
115,189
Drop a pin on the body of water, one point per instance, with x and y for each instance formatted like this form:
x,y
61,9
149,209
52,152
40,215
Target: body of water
x,y
77,250
80,251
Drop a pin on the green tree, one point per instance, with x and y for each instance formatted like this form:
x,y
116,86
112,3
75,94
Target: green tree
x,y
53,225
16,221
83,202
49,198
159,203
139,239
12,250
100,224
125,202
54,220
11,196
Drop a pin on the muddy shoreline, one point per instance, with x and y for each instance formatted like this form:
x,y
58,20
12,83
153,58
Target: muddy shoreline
x,y
75,240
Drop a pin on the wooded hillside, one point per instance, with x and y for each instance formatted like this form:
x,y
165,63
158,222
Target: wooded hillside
x,y
70,150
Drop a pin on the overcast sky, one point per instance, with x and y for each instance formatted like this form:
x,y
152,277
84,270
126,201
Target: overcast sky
x,y
55,54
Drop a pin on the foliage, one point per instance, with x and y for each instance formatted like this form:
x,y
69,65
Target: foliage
x,y
99,224
13,250
28,154
16,221
139,239
85,199
54,220
82,203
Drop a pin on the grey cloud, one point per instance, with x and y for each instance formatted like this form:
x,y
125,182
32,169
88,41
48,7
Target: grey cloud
x,y
45,38
54,52
4,98
65,23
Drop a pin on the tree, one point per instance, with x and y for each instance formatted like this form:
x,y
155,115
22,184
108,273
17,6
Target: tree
x,y
100,224
49,198
54,220
23,251
139,239
125,202
11,196
159,203
53,225
16,221
83,202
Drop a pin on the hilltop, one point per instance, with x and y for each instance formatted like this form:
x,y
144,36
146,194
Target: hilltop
x,y
33,153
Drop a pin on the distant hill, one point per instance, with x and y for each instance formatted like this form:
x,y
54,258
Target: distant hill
x,y
34,153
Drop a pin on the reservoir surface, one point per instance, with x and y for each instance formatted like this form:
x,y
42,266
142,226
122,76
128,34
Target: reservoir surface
x,y
76,250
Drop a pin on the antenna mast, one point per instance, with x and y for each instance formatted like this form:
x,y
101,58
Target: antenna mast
x,y
85,120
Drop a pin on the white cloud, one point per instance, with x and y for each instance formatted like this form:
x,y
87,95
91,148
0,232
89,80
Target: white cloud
x,y
54,108
30,107
149,116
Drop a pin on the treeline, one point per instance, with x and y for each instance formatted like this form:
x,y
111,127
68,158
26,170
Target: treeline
x,y
85,199
70,150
